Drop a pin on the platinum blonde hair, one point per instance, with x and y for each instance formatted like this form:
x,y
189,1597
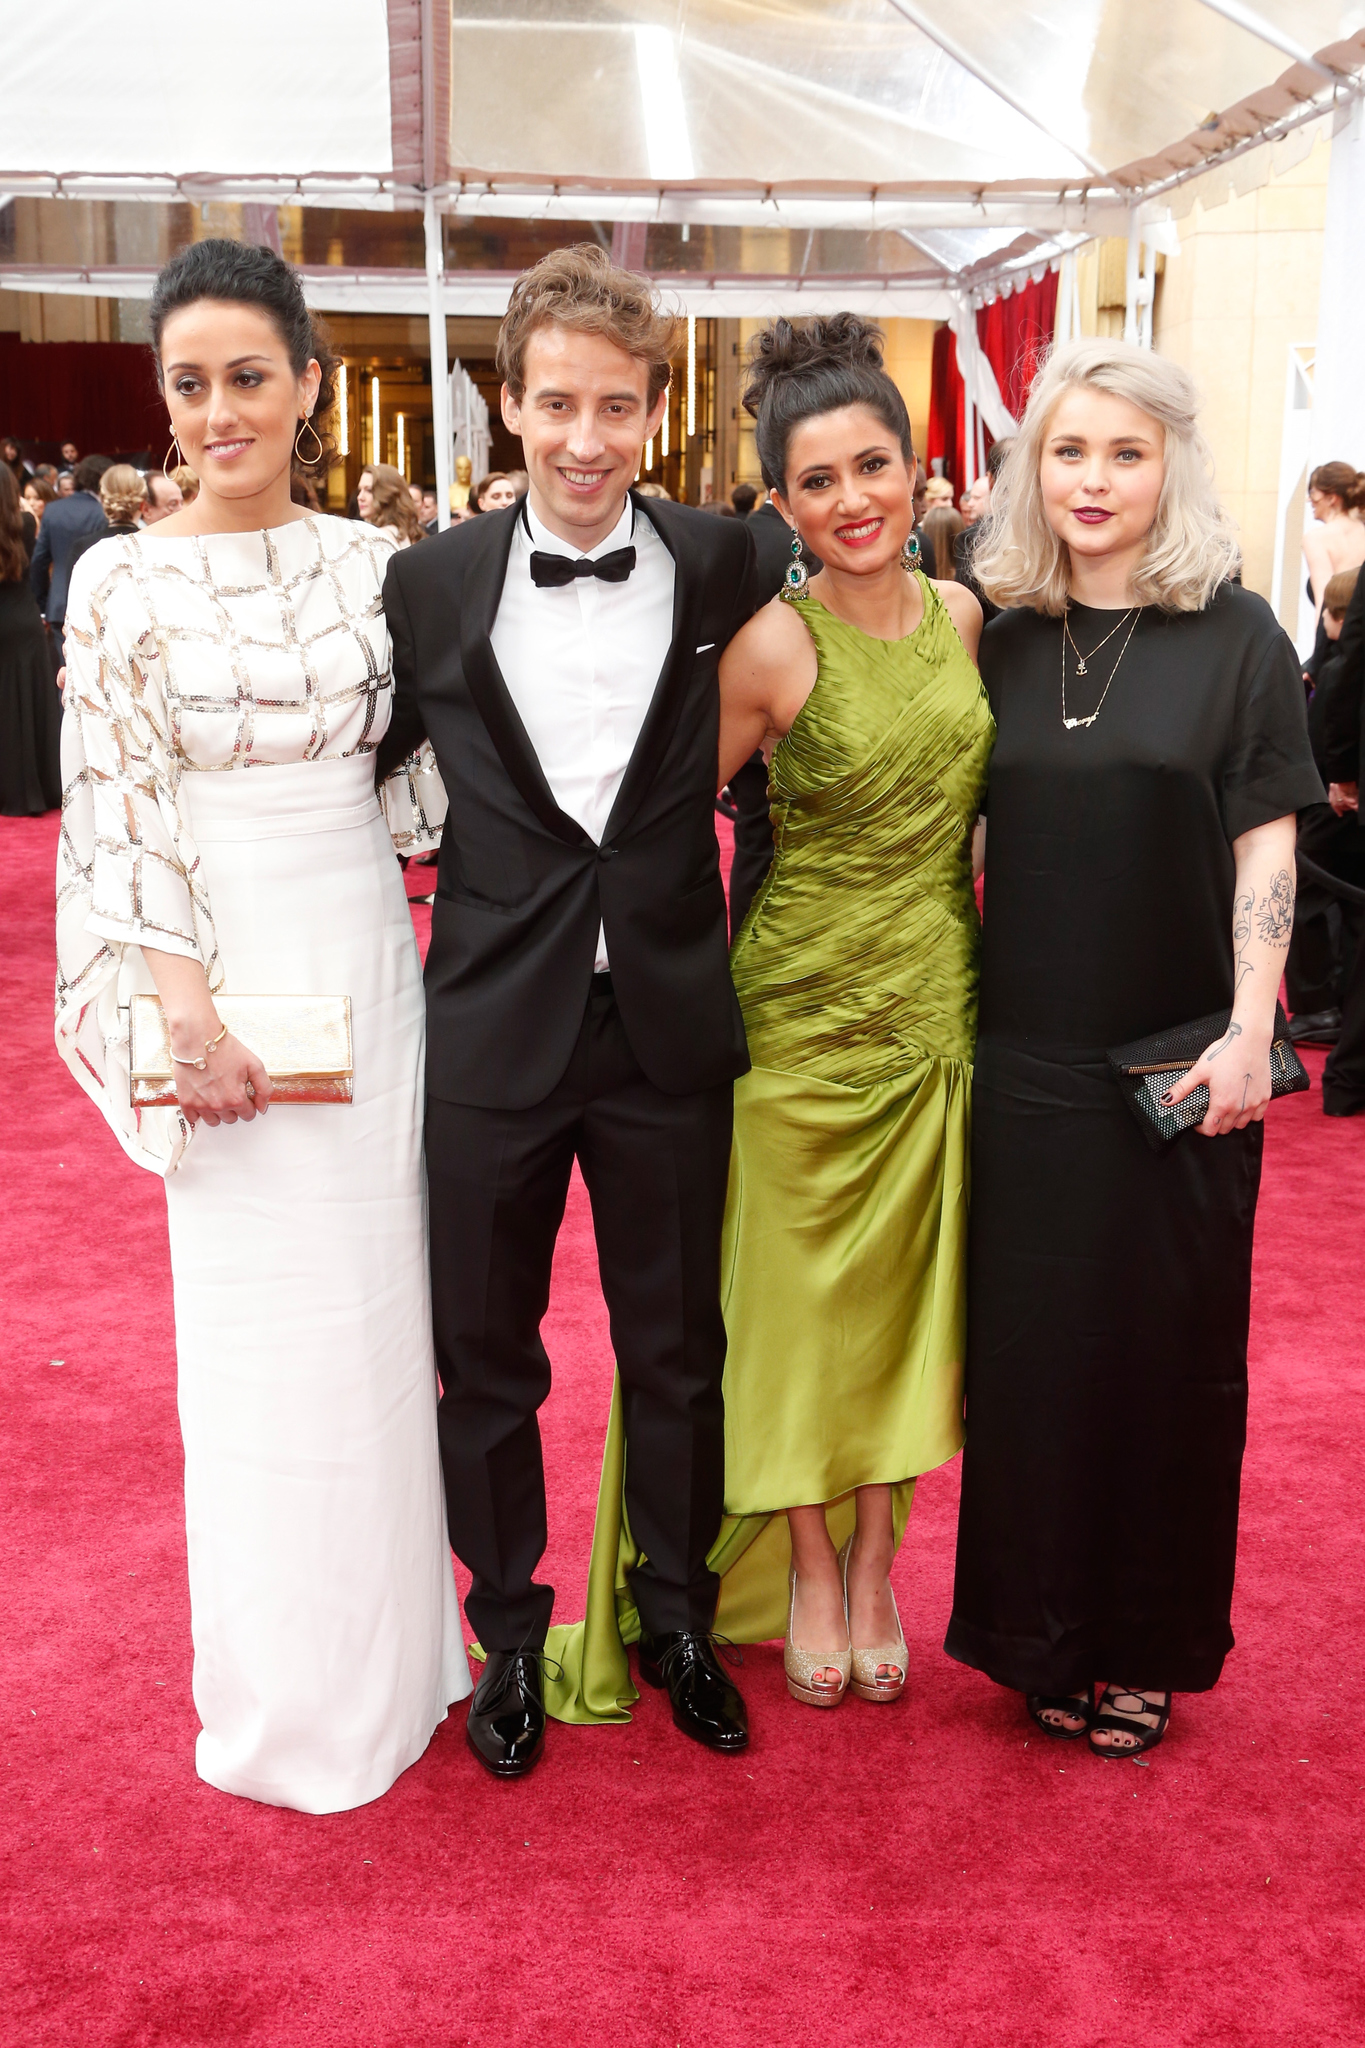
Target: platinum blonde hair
x,y
1191,545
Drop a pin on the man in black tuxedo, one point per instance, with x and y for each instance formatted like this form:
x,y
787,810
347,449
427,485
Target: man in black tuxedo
x,y
561,656
66,522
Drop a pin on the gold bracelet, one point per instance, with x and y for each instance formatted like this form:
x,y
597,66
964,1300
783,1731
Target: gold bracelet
x,y
201,1065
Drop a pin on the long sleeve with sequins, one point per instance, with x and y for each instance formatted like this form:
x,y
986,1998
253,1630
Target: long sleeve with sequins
x,y
144,882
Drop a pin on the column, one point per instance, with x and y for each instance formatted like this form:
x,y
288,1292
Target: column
x,y
1338,430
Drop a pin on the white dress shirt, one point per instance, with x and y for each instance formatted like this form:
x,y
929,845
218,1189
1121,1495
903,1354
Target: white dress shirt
x,y
581,663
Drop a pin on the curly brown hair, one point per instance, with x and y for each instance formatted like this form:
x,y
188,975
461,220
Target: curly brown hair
x,y
1340,480
393,506
581,288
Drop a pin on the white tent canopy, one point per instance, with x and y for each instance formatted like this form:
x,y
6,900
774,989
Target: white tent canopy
x,y
1007,137
998,140
806,113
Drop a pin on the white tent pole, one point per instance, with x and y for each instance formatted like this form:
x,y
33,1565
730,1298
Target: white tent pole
x,y
1130,289
441,427
1291,608
1338,430
1065,292
971,432
440,365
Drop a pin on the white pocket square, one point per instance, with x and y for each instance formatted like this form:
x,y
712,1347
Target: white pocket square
x,y
707,648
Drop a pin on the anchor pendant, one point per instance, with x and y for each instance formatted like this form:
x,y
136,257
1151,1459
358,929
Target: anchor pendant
x,y
1080,668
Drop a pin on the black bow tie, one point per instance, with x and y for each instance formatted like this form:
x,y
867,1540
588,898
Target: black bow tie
x,y
552,572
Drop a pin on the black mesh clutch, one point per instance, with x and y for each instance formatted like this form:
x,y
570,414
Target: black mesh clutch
x,y
1145,1069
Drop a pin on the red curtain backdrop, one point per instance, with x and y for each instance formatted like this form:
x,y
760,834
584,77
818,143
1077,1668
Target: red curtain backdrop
x,y
946,409
1013,334
100,394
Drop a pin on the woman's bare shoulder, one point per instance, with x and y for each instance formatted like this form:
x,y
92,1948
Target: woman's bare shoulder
x,y
773,638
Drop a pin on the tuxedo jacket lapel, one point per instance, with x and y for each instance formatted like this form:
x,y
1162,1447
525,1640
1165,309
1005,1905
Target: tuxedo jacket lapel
x,y
665,706
484,577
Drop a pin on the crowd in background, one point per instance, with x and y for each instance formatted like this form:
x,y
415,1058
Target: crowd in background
x,y
51,512
137,497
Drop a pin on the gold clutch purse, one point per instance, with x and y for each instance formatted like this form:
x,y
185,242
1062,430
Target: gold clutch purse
x,y
303,1042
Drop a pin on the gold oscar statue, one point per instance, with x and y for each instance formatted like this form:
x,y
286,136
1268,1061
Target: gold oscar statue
x,y
459,490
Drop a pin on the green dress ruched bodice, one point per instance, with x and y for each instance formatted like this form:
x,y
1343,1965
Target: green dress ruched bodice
x,y
843,1276
859,954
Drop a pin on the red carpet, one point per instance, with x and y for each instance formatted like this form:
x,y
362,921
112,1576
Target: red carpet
x,y
930,1876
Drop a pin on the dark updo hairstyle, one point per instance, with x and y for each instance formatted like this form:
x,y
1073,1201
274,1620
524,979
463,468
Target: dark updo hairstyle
x,y
797,372
243,275
1340,480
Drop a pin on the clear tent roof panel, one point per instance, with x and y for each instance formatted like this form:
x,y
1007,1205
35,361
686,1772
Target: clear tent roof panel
x,y
974,133
765,92
962,248
796,92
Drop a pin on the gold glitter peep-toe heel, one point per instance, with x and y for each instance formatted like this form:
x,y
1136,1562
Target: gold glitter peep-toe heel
x,y
865,1664
802,1665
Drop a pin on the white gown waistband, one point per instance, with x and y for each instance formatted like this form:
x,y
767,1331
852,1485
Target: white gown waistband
x,y
282,800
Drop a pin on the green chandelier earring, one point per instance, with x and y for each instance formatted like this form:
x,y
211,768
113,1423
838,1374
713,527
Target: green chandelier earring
x,y
796,582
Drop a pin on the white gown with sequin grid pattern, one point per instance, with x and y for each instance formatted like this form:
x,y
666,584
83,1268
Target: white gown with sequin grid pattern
x,y
225,694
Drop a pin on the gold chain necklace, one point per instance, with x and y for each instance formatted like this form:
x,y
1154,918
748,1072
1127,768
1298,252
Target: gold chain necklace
x,y
1071,724
1082,659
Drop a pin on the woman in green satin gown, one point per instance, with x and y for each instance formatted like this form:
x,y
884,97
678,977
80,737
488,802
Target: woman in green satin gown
x,y
843,1276
843,1267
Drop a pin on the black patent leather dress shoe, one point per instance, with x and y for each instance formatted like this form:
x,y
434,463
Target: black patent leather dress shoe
x,y
1315,1027
706,1704
506,1725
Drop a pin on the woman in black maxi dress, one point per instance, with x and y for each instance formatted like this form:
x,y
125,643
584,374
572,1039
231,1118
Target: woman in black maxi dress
x,y
30,708
1109,1286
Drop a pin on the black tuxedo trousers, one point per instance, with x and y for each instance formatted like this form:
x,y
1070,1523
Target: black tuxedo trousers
x,y
655,1166
533,1060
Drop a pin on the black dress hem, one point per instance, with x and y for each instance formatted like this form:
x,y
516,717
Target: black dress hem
x,y
1036,1667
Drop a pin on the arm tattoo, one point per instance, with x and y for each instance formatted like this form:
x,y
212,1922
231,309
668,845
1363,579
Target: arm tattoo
x,y
1233,1031
1275,918
1241,935
1246,1084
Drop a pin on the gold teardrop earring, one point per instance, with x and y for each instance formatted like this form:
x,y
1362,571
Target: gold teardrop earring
x,y
180,461
308,461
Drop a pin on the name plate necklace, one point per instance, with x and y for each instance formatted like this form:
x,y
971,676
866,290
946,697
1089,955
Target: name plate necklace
x,y
1083,661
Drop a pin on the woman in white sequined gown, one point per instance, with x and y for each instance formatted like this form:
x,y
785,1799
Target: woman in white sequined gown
x,y
227,683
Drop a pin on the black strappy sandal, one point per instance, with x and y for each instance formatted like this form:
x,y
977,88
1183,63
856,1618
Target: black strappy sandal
x,y
1040,1703
1126,1724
